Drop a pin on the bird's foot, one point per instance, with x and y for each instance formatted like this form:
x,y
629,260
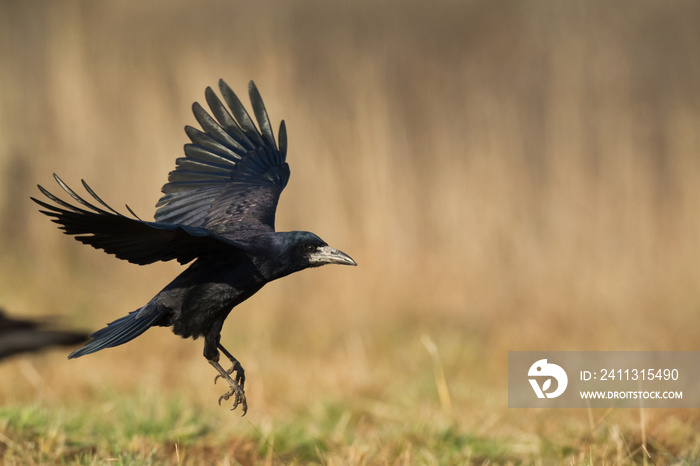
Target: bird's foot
x,y
240,373
238,398
236,391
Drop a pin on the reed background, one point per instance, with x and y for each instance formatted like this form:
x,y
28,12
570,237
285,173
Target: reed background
x,y
508,175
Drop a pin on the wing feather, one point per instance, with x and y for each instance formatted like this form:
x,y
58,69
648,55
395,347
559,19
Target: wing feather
x,y
226,120
128,238
240,113
261,115
226,186
232,174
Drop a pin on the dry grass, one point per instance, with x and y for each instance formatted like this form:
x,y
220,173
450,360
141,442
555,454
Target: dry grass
x,y
508,175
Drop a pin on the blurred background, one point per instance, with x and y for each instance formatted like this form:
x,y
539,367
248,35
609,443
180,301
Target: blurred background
x,y
508,175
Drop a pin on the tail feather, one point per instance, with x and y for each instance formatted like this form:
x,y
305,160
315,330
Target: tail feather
x,y
120,331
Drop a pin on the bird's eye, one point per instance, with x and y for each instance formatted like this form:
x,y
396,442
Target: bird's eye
x,y
310,248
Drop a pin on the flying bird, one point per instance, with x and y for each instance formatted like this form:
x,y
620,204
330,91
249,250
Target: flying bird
x,y
217,212
18,335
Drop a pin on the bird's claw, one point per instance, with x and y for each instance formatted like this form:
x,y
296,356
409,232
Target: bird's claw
x,y
239,398
240,374
236,391
218,376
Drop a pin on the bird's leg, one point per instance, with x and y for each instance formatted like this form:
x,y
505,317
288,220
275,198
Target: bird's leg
x,y
211,353
236,389
236,366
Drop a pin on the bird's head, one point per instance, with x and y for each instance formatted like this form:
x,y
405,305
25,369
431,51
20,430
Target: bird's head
x,y
299,250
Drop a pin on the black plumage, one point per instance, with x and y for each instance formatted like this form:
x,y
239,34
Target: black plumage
x,y
218,210
21,335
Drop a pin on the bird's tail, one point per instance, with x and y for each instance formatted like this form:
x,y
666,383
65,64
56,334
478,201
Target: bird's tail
x,y
121,330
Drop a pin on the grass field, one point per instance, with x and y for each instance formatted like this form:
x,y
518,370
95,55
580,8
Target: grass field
x,y
508,176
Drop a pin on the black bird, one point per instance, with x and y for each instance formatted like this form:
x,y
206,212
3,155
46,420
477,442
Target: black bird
x,y
218,210
23,335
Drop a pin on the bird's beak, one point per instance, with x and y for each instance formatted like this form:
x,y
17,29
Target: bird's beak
x,y
327,255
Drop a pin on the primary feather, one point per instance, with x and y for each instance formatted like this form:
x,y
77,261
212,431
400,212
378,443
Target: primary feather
x,y
232,175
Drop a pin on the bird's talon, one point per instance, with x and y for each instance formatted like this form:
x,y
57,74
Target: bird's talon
x,y
235,386
238,398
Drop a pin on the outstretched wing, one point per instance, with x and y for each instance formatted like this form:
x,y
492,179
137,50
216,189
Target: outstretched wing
x,y
232,174
128,238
